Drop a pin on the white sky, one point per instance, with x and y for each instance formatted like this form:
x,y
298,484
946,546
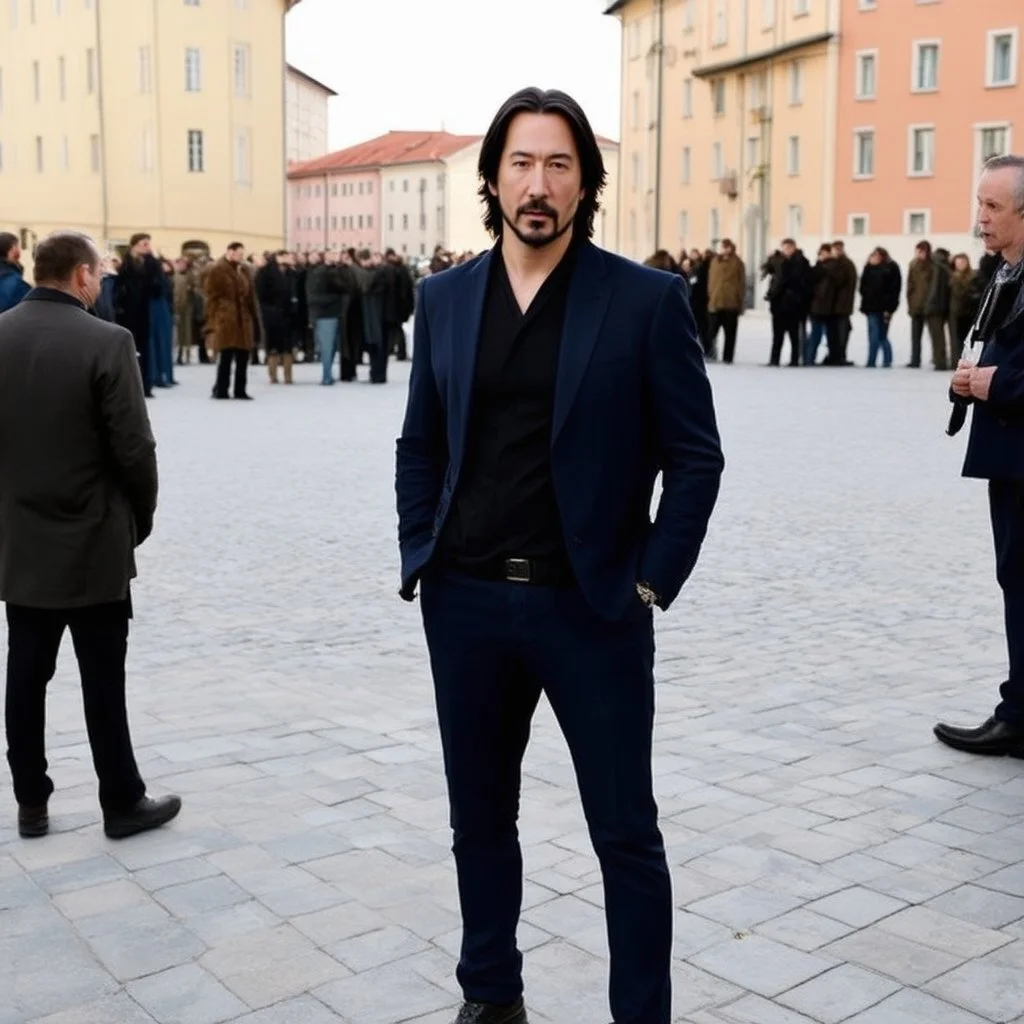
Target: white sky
x,y
428,64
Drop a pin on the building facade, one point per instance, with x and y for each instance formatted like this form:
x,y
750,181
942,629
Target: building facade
x,y
817,119
390,192
306,108
119,116
726,122
928,92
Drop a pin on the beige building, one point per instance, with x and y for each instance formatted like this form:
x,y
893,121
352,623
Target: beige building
x,y
118,116
306,108
728,117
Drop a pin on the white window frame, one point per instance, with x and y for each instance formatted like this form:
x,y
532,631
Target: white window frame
x,y
795,221
193,69
851,217
686,165
717,161
720,23
911,130
40,154
718,89
241,71
714,226
37,82
145,70
753,152
769,14
859,80
62,78
195,152
907,214
795,82
689,15
793,156
990,39
915,55
867,5
687,98
858,175
801,8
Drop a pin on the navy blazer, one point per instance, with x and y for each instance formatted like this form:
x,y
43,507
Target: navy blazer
x,y
995,447
632,399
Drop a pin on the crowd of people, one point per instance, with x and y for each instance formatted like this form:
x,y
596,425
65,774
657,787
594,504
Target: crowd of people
x,y
344,307
812,303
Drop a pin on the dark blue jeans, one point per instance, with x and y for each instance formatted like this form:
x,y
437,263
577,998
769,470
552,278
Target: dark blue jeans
x,y
1006,506
495,647
819,326
878,339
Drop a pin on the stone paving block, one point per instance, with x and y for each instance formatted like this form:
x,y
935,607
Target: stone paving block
x,y
911,963
857,906
985,987
101,899
984,907
175,872
377,948
78,874
929,927
837,994
218,926
118,1009
262,985
186,995
693,933
135,952
757,1010
911,1007
803,929
203,896
744,907
303,1010
1009,880
384,995
761,965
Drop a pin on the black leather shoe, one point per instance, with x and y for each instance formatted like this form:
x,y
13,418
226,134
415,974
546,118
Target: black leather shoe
x,y
145,815
489,1013
993,737
243,398
33,822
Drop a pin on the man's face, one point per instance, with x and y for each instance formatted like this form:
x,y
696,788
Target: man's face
x,y
788,249
921,254
539,182
727,250
1000,219
235,255
143,248
838,250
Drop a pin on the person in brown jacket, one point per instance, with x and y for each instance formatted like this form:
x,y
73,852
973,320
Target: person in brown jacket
x,y
844,297
727,292
919,286
231,320
183,311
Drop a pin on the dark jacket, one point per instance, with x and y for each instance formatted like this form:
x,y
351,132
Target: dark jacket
x,y
78,476
846,286
275,289
880,288
632,401
995,448
104,307
399,299
13,287
790,292
937,303
965,291
823,289
919,283
137,283
326,287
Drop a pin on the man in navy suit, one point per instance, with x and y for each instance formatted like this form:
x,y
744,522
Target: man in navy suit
x,y
995,449
551,384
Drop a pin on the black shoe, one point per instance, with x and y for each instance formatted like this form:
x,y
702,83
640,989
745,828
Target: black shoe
x,y
488,1013
243,398
145,815
995,738
33,822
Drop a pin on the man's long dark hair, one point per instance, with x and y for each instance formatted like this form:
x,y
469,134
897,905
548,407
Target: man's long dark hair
x,y
592,170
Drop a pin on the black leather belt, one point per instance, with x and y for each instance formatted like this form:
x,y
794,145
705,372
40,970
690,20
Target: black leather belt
x,y
533,571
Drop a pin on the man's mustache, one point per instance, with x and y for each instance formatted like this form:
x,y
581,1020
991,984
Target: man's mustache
x,y
535,208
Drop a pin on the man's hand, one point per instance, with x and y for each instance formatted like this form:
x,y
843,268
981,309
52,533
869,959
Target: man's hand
x,y
961,383
981,381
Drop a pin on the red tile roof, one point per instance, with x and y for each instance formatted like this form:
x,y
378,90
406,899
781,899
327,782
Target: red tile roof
x,y
386,151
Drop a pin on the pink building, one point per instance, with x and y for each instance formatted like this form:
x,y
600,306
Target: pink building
x,y
335,201
928,92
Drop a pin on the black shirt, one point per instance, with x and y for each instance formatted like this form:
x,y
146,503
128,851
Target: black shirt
x,y
505,506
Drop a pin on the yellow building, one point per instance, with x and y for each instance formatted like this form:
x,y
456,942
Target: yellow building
x,y
728,117
165,116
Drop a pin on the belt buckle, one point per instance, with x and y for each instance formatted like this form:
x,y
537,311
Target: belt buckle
x,y
518,570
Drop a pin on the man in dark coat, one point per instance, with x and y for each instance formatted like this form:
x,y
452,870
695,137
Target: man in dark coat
x,y
399,303
138,283
275,292
790,296
844,298
78,487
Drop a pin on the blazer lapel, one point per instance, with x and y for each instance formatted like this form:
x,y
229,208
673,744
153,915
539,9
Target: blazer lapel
x,y
584,313
467,313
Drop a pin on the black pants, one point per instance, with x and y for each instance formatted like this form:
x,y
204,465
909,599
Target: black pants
x,y
494,648
917,324
728,320
100,636
396,341
781,326
241,361
1006,506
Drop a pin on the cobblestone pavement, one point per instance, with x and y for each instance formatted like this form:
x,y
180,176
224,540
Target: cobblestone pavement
x,y
831,861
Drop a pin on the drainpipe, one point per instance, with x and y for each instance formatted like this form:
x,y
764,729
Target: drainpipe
x,y
104,197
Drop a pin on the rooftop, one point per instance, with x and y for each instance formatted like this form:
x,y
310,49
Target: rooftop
x,y
386,151
309,78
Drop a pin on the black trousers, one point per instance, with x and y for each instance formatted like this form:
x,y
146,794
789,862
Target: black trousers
x,y
100,636
728,320
495,647
396,341
781,326
1006,507
917,324
240,359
